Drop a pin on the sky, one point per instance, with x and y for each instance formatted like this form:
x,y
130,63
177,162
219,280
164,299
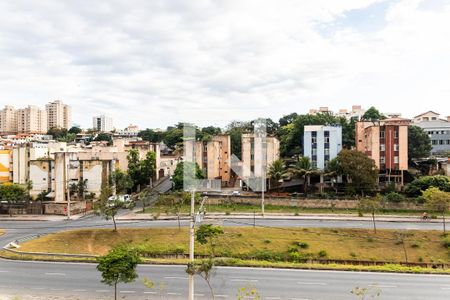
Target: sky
x,y
156,63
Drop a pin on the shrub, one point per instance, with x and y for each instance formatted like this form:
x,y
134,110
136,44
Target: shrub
x,y
267,242
446,242
415,245
301,245
416,187
394,197
353,254
322,254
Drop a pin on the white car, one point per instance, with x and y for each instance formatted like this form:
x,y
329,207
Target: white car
x,y
125,199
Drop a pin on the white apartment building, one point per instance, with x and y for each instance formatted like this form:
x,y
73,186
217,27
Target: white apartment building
x,y
31,119
257,156
58,115
321,144
102,123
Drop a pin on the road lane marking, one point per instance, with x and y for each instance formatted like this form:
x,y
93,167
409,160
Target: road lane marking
x,y
38,288
151,293
3,271
101,291
79,290
243,280
221,296
300,299
174,294
57,289
311,283
55,274
127,292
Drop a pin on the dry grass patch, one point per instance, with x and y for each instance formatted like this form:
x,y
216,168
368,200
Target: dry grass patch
x,y
270,244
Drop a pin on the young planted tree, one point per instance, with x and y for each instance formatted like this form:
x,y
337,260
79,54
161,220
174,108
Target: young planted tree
x,y
122,181
371,205
276,172
119,265
437,200
206,233
106,208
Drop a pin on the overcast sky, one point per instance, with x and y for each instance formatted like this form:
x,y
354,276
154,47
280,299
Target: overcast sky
x,y
154,63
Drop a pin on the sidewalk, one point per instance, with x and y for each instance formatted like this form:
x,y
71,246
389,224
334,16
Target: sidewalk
x,y
280,216
40,217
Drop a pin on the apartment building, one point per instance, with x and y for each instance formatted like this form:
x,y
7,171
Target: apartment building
x,y
8,120
386,142
58,115
257,156
5,162
321,144
438,130
31,119
213,157
102,123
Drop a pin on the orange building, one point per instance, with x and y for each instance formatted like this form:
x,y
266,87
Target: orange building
x,y
386,142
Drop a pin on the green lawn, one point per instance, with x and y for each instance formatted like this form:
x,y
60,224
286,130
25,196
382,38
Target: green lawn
x,y
261,244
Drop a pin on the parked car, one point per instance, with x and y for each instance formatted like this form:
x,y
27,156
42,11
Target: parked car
x,y
235,193
125,200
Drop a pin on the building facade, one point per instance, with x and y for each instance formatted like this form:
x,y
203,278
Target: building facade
x,y
256,160
59,115
8,120
102,123
31,119
437,129
321,144
386,142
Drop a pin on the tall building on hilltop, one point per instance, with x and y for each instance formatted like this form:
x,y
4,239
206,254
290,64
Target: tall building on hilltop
x,y
437,129
58,115
322,144
102,123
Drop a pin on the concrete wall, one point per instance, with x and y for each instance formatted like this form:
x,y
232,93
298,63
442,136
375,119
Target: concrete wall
x,y
308,203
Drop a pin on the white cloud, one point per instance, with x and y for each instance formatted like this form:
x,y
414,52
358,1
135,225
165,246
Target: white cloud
x,y
155,63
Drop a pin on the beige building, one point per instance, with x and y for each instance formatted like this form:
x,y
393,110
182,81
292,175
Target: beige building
x,y
58,115
213,157
386,142
31,119
8,120
254,158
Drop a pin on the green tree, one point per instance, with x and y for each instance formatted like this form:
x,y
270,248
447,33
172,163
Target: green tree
x,y
421,184
103,137
122,181
371,205
178,177
173,137
419,143
304,169
57,132
151,135
235,129
439,201
361,170
276,171
148,168
208,233
372,114
13,194
134,168
106,208
119,265
75,130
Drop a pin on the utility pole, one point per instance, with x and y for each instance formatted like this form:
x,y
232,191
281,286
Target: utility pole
x,y
66,173
191,244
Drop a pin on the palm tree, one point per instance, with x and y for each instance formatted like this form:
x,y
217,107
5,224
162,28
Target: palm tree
x,y
277,171
303,169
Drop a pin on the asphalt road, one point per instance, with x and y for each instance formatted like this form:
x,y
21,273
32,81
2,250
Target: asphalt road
x,y
82,281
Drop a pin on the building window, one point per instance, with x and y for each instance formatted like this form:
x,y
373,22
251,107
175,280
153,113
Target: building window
x,y
395,134
314,151
395,159
441,142
382,160
395,147
314,140
327,151
382,134
434,142
327,139
382,147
